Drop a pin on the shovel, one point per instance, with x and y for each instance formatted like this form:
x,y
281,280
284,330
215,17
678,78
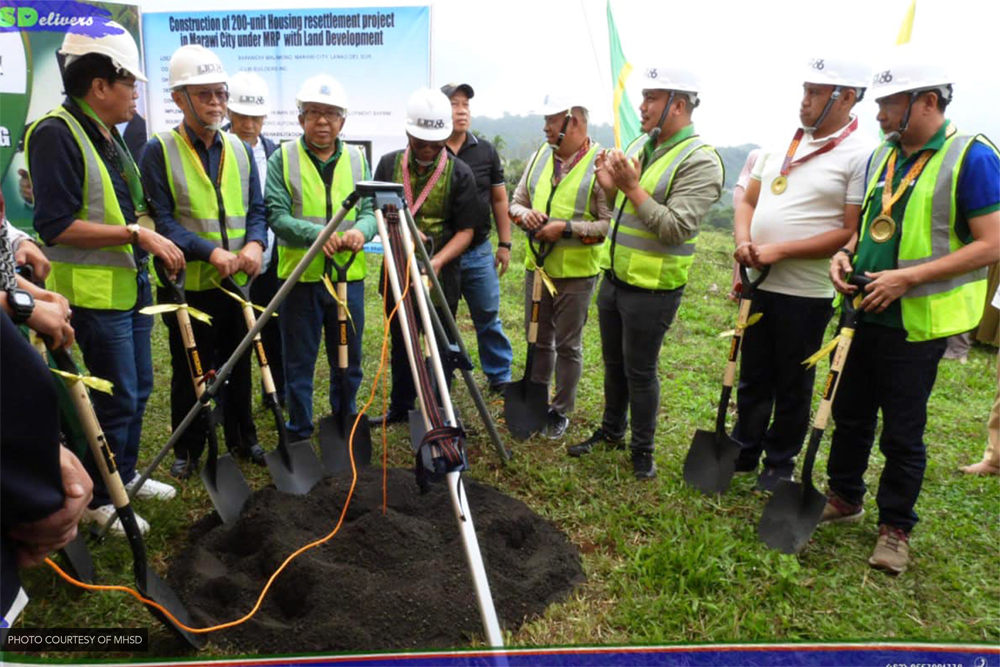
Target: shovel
x,y
147,581
793,512
525,402
711,459
223,480
335,442
293,466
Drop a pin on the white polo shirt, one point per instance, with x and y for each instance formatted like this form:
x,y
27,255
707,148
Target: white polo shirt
x,y
813,203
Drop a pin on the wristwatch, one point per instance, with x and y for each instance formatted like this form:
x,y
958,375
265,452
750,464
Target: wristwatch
x,y
505,244
22,304
568,231
134,228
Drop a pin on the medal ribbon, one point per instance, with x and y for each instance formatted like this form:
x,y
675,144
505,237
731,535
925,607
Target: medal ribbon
x,y
126,164
787,164
408,186
888,197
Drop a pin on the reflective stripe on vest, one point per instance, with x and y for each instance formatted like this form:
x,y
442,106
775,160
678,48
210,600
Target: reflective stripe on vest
x,y
196,207
310,199
640,258
944,307
99,278
570,258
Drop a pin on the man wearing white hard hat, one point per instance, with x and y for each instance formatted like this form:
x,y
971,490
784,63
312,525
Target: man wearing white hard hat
x,y
558,201
441,194
802,204
930,224
662,187
249,104
307,180
205,193
91,210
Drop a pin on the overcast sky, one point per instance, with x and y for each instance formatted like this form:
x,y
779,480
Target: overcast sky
x,y
749,54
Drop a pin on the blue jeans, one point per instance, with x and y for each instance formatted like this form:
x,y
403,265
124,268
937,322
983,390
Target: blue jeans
x,y
481,290
116,346
307,311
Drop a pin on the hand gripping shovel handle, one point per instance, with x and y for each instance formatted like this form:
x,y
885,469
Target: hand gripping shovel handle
x,y
342,320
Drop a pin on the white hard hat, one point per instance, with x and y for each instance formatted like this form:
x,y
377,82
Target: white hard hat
x,y
556,103
836,71
322,89
118,46
907,69
679,79
248,94
192,65
428,115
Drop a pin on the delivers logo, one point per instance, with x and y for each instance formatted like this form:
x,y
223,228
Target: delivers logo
x,y
67,16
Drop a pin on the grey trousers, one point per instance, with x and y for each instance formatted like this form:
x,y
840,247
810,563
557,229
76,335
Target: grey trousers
x,y
560,335
632,328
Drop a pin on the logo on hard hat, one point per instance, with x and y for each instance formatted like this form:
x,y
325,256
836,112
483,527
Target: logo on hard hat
x,y
817,63
324,90
651,73
882,77
250,99
433,123
209,68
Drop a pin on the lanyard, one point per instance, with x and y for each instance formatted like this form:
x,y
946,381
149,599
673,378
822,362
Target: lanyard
x,y
888,196
125,163
425,193
780,182
220,203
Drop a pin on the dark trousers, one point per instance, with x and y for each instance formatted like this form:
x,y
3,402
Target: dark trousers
x,y
632,328
773,379
262,291
403,395
884,372
215,344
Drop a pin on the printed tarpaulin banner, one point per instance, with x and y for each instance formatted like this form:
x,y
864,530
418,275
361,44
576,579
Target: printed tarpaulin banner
x,y
378,54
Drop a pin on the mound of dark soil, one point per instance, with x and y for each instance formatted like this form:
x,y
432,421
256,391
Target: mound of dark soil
x,y
393,581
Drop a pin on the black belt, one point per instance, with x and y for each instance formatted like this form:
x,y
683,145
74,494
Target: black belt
x,y
618,282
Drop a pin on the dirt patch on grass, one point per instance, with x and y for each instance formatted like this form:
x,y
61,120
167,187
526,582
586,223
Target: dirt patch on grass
x,y
393,581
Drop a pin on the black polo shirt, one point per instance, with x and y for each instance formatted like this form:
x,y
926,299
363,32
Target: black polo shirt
x,y
484,161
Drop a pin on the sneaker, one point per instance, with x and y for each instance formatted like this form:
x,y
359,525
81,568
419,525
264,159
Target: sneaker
x,y
151,489
643,467
556,425
838,510
254,453
100,516
768,480
599,437
183,468
892,551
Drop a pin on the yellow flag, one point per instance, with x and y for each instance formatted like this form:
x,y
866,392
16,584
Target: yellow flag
x,y
907,28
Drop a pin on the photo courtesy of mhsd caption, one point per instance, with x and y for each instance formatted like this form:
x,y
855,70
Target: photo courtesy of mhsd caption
x,y
76,639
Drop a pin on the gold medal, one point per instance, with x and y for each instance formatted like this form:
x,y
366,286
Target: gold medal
x,y
779,184
882,229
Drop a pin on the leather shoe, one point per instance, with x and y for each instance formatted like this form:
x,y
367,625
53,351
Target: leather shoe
x,y
254,453
643,467
183,468
388,418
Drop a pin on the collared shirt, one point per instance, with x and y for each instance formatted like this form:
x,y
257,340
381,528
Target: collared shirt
x,y
521,202
279,200
978,193
57,175
260,158
697,185
161,201
484,161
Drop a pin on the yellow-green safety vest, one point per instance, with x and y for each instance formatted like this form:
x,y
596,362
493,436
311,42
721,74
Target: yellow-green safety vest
x,y
944,307
311,200
437,206
633,253
570,258
100,278
196,206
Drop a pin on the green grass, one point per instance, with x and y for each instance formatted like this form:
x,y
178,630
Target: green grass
x,y
664,563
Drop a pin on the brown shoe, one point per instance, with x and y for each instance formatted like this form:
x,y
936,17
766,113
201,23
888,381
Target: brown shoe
x,y
892,551
838,510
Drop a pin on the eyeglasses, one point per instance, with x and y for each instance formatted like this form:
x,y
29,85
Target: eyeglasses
x,y
128,83
206,96
313,115
420,144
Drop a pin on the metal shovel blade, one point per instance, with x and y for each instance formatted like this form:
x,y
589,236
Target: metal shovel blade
x,y
335,443
229,490
157,590
417,428
791,516
525,407
711,461
299,473
77,555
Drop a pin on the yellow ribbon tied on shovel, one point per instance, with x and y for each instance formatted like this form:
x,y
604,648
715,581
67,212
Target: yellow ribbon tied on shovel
x,y
547,281
97,384
813,359
161,308
333,292
752,320
244,302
